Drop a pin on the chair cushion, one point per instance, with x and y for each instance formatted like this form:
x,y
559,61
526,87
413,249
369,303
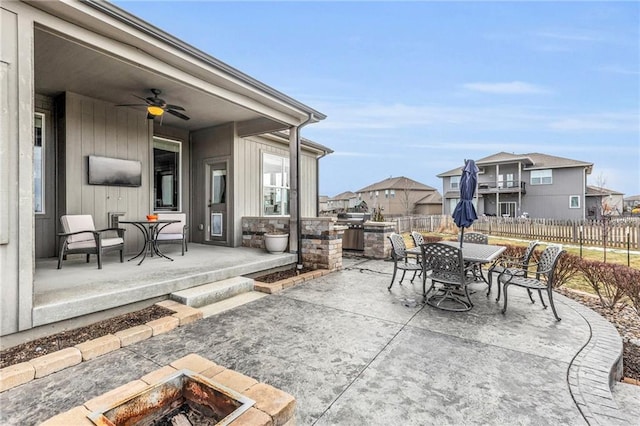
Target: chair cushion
x,y
163,236
172,228
108,242
77,223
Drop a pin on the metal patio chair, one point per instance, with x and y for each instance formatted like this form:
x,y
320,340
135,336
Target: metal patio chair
x,y
475,238
543,280
401,260
447,268
516,265
417,238
476,268
80,236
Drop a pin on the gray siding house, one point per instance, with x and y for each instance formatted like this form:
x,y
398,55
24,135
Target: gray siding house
x,y
75,81
510,185
401,196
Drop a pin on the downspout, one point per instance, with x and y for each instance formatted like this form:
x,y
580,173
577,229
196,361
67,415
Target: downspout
x,y
298,214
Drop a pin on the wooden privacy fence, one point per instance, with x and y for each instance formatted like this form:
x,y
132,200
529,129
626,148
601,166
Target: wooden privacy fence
x,y
620,232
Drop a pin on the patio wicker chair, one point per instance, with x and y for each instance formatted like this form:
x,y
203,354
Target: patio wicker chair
x,y
447,268
401,260
515,265
173,232
80,236
543,279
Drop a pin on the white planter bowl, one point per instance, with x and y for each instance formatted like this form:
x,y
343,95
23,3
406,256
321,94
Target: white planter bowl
x,y
276,243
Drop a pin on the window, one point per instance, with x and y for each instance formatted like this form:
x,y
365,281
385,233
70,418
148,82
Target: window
x,y
541,177
166,174
275,184
454,182
574,201
38,164
392,193
453,202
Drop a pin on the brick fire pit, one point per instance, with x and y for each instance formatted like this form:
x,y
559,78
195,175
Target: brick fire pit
x,y
272,406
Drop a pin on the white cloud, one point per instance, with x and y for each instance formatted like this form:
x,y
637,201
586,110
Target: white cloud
x,y
571,35
598,122
510,88
617,69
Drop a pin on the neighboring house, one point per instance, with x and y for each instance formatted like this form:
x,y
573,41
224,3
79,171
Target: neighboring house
x,y
342,202
429,205
323,203
601,201
511,185
401,196
69,74
631,202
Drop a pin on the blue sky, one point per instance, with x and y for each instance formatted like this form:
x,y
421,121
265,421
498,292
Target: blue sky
x,y
413,88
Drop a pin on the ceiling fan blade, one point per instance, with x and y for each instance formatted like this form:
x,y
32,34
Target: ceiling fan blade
x,y
141,98
132,105
177,114
176,107
150,116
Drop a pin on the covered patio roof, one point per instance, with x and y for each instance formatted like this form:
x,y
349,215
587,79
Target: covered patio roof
x,y
116,56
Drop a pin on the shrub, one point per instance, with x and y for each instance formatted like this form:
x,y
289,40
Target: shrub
x,y
431,239
629,281
604,278
567,268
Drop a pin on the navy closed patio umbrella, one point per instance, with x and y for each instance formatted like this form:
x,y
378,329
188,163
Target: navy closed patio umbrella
x,y
465,213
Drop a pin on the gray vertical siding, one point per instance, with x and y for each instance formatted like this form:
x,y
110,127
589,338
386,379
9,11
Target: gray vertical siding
x,y
16,169
93,127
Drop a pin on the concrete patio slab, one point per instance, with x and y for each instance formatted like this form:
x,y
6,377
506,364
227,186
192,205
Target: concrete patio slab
x,y
352,353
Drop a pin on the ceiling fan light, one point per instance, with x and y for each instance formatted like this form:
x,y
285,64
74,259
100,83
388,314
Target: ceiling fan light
x,y
155,110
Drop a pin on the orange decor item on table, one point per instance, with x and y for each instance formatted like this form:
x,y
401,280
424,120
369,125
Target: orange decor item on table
x,y
152,217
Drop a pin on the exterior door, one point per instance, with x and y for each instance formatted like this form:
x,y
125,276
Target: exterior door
x,y
217,207
508,209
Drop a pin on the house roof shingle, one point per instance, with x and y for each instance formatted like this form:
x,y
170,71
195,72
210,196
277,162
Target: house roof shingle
x,y
531,161
397,183
595,191
347,195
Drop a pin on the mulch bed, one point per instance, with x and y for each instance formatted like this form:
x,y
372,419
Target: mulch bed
x,y
42,346
281,275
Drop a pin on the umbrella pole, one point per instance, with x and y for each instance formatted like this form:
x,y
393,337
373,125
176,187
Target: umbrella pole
x,y
461,237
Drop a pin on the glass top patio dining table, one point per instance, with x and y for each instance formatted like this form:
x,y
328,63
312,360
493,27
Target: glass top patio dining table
x,y
150,230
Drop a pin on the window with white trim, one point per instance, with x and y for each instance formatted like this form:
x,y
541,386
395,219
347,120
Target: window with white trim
x,y
574,201
38,164
167,186
275,185
541,177
454,182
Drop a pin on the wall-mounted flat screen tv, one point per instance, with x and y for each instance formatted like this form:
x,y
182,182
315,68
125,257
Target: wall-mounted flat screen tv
x,y
114,171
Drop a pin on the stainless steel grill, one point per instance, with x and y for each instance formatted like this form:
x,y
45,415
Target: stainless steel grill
x,y
353,238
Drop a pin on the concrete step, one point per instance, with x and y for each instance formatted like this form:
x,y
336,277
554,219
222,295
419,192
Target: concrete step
x,y
213,292
230,303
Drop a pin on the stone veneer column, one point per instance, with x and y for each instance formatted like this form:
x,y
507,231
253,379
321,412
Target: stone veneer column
x,y
376,243
322,243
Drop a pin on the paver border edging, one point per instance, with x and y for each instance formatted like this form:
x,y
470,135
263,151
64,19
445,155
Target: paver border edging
x,y
595,369
24,372
278,286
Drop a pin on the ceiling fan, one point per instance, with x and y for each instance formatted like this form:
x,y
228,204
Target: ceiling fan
x,y
157,106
